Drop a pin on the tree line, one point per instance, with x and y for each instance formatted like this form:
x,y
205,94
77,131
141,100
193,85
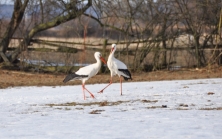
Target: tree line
x,y
148,24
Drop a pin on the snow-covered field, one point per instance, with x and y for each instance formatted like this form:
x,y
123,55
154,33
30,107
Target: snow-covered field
x,y
162,109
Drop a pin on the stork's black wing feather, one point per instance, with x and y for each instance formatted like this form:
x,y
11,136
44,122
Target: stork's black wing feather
x,y
127,73
73,76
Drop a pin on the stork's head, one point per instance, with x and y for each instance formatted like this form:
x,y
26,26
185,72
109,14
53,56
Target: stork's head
x,y
99,55
113,49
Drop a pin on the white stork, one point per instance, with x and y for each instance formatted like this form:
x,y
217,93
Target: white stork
x,y
87,72
116,67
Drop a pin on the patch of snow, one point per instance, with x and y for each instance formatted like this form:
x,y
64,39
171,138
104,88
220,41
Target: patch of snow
x,y
159,109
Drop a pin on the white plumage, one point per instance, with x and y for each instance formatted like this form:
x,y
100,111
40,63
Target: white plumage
x,y
116,67
86,72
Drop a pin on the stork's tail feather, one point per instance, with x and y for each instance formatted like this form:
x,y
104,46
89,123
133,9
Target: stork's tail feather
x,y
126,79
127,73
73,76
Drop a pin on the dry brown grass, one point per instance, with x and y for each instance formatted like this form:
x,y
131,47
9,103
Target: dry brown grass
x,y
9,78
101,104
216,108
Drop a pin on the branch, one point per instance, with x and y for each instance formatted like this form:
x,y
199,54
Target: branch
x,y
59,20
110,26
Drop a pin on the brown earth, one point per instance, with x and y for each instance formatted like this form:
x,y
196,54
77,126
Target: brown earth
x,y
10,78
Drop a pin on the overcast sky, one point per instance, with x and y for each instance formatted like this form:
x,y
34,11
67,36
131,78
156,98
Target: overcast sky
x,y
6,2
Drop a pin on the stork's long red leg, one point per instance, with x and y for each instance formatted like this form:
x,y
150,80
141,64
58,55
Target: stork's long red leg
x,y
88,91
106,86
83,91
120,79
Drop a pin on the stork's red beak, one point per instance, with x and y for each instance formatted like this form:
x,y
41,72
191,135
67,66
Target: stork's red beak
x,y
103,60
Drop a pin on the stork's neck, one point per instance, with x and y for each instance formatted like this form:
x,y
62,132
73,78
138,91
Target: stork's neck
x,y
98,61
111,55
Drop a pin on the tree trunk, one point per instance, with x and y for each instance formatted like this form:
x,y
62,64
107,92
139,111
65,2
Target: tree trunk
x,y
164,59
135,62
16,19
103,68
197,54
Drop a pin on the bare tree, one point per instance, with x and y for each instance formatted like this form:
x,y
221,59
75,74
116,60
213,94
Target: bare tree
x,y
58,12
198,17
